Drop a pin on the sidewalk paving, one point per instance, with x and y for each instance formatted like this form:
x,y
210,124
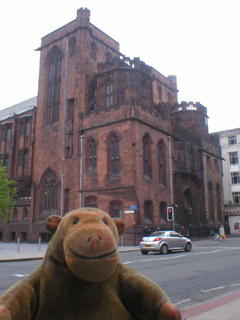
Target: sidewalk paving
x,y
223,308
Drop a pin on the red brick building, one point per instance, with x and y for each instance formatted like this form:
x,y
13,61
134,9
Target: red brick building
x,y
108,132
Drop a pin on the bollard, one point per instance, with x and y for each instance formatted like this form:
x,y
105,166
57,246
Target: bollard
x,y
39,244
121,238
18,245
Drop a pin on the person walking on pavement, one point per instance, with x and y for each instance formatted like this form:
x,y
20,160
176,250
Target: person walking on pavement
x,y
183,232
146,231
221,233
215,233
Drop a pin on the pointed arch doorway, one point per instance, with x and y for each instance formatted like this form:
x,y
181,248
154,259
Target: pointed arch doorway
x,y
189,216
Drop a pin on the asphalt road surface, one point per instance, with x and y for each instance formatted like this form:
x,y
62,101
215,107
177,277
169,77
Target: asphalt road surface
x,y
210,270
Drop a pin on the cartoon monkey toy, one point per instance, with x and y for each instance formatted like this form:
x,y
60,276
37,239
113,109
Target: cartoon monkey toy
x,y
82,278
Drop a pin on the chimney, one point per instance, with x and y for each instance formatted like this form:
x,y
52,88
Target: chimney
x,y
83,17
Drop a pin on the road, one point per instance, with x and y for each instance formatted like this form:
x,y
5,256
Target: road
x,y
210,270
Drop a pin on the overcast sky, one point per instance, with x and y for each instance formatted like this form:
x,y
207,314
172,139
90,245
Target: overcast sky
x,y
198,41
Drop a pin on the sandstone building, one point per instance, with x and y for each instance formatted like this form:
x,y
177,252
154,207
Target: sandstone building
x,y
107,131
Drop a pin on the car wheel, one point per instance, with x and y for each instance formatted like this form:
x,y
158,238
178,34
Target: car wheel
x,y
188,247
144,252
164,249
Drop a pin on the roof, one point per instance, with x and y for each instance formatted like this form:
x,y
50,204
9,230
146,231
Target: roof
x,y
18,108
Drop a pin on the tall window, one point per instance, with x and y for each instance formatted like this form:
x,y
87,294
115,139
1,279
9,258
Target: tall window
x,y
162,162
218,196
208,162
233,157
92,154
6,132
93,51
113,156
143,94
72,47
70,109
25,213
53,86
210,201
147,170
160,93
235,177
121,88
232,140
148,211
50,192
109,95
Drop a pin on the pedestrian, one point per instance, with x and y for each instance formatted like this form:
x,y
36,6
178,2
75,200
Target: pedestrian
x,y
221,233
146,231
158,228
183,232
215,231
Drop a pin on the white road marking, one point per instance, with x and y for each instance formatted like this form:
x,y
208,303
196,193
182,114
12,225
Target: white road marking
x,y
20,275
183,301
235,285
213,289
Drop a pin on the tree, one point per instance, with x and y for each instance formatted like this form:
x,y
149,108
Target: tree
x,y
7,193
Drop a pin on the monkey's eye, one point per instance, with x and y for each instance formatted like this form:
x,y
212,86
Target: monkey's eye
x,y
75,221
105,221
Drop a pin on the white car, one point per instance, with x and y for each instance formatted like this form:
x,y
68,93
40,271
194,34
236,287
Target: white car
x,y
164,242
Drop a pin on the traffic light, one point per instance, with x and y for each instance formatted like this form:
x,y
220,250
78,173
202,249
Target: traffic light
x,y
170,213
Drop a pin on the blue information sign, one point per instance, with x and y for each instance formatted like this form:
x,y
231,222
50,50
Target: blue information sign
x,y
134,207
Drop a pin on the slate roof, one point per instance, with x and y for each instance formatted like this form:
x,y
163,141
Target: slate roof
x,y
18,108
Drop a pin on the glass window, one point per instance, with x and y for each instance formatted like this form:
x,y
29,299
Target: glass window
x,y
233,157
109,95
53,86
235,177
232,140
236,197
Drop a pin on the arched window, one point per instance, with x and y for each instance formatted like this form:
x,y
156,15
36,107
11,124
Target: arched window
x,y
147,169
148,212
50,184
91,154
115,209
53,85
72,47
91,202
113,156
162,163
93,51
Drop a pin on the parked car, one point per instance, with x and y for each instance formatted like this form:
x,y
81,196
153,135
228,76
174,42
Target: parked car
x,y
164,242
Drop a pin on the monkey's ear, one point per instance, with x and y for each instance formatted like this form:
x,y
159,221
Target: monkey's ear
x,y
120,225
52,223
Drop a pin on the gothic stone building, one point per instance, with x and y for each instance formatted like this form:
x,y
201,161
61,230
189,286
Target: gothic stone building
x,y
108,132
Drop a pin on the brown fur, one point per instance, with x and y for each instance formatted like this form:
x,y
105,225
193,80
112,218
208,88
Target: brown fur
x,y
81,277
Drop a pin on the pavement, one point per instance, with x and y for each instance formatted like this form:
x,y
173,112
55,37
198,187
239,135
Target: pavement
x,y
223,308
